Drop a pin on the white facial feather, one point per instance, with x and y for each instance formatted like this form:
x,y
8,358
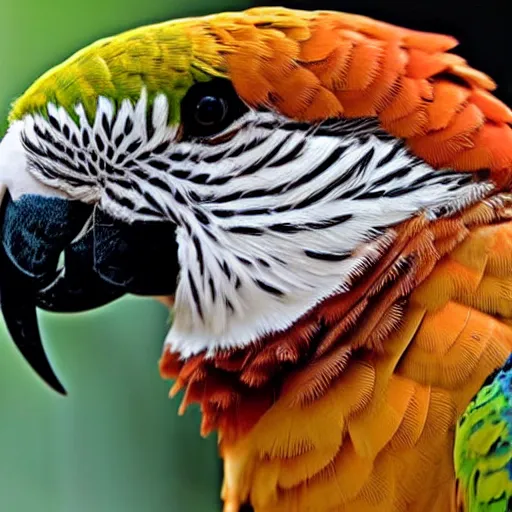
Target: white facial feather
x,y
14,173
268,220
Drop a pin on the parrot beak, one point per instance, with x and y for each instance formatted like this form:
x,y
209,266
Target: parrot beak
x,y
34,232
64,255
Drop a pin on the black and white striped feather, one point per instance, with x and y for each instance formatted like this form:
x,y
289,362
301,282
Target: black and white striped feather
x,y
269,213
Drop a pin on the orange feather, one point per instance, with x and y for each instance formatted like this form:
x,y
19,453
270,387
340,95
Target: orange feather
x,y
354,407
342,63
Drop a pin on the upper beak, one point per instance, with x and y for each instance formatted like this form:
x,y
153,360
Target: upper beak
x,y
103,259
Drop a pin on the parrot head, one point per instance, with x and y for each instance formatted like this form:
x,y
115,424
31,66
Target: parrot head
x,y
230,162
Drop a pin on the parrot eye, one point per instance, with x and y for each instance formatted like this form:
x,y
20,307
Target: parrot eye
x,y
209,108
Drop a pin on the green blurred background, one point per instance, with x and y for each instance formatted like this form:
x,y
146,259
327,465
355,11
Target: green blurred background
x,y
116,442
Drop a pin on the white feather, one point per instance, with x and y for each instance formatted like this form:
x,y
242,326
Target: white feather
x,y
241,309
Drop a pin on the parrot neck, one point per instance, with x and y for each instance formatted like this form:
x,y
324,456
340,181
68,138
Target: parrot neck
x,y
236,387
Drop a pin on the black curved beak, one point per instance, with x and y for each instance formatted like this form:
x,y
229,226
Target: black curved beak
x,y
103,260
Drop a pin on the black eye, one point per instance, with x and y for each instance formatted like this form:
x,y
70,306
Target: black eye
x,y
209,108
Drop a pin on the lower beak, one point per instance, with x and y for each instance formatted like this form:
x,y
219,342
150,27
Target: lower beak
x,y
104,259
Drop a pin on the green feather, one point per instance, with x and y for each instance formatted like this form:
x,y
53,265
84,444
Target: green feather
x,y
164,58
483,454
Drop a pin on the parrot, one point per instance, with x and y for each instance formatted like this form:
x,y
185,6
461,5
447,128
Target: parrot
x,y
324,202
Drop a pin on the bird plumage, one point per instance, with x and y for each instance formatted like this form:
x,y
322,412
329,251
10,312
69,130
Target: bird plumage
x,y
357,404
353,401
482,447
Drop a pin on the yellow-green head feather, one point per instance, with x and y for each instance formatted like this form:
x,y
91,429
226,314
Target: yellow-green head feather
x,y
163,58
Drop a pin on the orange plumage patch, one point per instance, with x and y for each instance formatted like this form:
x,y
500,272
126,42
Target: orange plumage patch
x,y
343,64
298,411
354,407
